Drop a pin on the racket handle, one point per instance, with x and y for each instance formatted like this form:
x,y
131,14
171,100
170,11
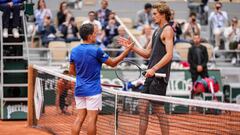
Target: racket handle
x,y
158,75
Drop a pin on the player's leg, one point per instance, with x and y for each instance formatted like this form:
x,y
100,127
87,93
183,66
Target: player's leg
x,y
92,121
82,112
79,121
143,108
94,104
143,112
158,109
159,87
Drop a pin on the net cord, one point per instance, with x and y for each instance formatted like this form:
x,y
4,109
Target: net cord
x,y
174,100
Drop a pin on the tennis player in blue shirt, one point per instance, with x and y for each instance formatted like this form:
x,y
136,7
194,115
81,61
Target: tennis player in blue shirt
x,y
85,62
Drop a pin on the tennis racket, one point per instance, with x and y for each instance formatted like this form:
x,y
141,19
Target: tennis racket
x,y
129,71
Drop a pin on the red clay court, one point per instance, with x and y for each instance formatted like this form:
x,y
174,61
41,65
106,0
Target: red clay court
x,y
19,128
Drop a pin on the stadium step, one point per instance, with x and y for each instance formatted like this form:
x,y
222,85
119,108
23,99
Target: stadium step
x,y
16,85
15,71
14,43
15,99
13,57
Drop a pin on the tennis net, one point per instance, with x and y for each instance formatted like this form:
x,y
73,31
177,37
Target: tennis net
x,y
51,107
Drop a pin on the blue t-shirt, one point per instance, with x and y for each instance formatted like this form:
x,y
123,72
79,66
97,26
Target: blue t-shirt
x,y
88,60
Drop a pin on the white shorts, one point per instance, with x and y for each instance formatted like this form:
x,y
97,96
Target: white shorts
x,y
89,102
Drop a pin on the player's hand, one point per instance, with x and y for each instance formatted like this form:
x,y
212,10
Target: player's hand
x,y
125,42
10,4
150,73
199,68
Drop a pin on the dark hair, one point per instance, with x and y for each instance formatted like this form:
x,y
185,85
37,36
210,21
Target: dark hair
x,y
197,34
235,19
61,6
192,14
147,6
91,12
65,72
38,5
72,19
86,30
218,2
48,17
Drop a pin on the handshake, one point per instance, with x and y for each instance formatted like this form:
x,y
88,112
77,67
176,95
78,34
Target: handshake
x,y
126,42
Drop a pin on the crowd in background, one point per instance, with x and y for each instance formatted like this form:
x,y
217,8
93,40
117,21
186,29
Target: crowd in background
x,y
224,35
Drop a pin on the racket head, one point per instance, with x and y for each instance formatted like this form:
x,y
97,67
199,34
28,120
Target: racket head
x,y
128,71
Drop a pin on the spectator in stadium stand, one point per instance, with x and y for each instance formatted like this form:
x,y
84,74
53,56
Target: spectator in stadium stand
x,y
176,27
110,31
92,19
218,20
232,36
69,29
146,35
144,17
41,12
8,6
103,13
112,16
115,44
62,14
198,59
85,63
160,52
191,27
47,31
64,90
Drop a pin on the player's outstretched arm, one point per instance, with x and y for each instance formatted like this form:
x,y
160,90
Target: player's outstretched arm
x,y
114,61
145,53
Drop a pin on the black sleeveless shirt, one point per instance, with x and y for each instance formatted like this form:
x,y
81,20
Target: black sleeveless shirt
x,y
158,52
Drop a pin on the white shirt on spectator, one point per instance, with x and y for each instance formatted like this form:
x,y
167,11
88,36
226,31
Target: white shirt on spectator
x,y
40,14
95,22
218,20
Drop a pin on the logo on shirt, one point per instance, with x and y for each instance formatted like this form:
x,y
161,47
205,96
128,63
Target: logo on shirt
x,y
105,55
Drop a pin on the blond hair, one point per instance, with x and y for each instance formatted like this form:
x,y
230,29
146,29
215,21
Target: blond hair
x,y
163,8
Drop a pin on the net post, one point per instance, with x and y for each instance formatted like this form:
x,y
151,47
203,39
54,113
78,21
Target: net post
x,y
31,119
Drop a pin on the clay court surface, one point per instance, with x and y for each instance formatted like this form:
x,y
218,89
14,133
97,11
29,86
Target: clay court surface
x,y
18,128
180,124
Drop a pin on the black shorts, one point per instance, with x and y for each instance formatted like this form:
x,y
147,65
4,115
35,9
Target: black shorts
x,y
156,86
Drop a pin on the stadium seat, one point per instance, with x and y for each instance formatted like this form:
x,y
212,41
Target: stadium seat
x,y
182,49
128,22
57,51
79,20
209,49
135,32
74,44
89,2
